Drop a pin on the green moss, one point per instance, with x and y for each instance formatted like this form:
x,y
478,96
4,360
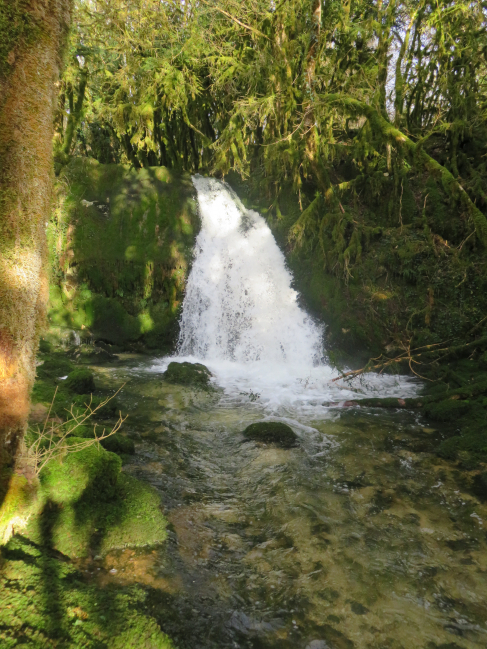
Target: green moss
x,y
90,507
272,432
55,366
119,444
185,373
16,497
122,274
474,443
447,410
81,381
18,26
45,603
110,409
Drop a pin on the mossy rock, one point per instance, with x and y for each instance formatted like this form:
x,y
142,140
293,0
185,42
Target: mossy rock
x,y
110,409
116,443
95,355
119,444
272,432
473,443
447,410
81,381
55,366
111,322
480,486
64,481
16,497
186,373
87,506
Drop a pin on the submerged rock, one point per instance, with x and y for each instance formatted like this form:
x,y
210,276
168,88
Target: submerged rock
x,y
188,374
272,432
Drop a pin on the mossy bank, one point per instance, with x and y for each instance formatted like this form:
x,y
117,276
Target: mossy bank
x,y
120,245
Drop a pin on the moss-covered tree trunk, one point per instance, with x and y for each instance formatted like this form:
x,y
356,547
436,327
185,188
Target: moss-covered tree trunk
x,y
32,34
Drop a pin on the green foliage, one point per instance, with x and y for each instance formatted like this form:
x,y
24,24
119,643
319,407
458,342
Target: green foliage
x,y
108,410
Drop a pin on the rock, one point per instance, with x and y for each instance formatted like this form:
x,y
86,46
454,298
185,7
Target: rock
x,y
480,486
110,409
188,374
317,644
118,444
90,354
272,432
81,382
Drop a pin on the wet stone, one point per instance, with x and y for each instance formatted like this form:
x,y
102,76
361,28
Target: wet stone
x,y
272,432
317,644
194,374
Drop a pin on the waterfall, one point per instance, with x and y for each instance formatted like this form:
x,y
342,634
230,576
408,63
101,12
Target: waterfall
x,y
239,303
241,316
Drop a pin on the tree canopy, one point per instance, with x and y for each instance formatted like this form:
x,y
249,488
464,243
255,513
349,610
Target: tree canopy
x,y
337,99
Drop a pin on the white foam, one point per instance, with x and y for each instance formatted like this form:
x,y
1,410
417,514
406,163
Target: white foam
x,y
242,320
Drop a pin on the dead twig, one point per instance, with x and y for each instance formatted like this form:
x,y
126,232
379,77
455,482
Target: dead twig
x,y
51,440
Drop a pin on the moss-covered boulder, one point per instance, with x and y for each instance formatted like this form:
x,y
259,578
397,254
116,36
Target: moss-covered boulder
x,y
55,366
81,381
194,374
272,432
447,410
480,485
116,443
110,409
119,444
87,506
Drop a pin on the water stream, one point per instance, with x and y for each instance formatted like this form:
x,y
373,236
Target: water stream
x,y
360,537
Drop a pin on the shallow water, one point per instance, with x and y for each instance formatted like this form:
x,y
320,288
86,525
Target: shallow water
x,y
359,537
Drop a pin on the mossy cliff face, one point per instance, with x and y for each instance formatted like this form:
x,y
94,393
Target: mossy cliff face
x,y
120,244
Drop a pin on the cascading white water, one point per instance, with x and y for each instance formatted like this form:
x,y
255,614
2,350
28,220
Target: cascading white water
x,y
241,317
239,304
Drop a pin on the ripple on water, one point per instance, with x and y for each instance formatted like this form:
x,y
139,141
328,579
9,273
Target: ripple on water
x,y
360,537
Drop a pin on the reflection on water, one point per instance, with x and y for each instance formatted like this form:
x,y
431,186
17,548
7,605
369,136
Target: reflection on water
x,y
358,538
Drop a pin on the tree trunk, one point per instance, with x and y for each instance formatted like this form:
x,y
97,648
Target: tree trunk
x,y
28,79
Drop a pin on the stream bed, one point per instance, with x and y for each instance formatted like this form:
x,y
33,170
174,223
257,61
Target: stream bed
x,y
360,537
